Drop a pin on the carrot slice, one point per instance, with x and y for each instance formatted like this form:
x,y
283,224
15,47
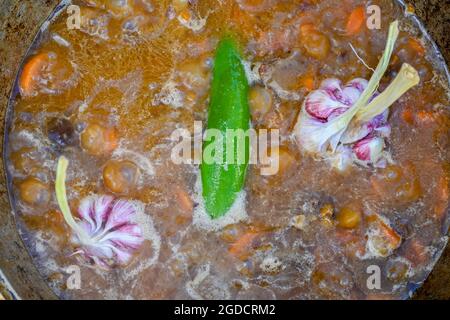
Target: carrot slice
x,y
394,238
308,82
408,116
30,72
184,200
416,46
425,117
442,202
186,15
391,235
355,21
240,249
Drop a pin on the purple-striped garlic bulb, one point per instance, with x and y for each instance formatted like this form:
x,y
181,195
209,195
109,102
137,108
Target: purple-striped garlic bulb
x,y
113,238
364,144
348,123
105,232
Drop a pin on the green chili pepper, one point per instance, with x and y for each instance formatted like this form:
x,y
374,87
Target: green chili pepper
x,y
228,113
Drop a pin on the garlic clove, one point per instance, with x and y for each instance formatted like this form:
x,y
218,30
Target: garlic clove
x,y
369,150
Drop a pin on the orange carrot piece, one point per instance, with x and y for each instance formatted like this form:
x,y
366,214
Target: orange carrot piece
x,y
416,46
444,190
184,200
186,15
442,203
355,21
308,82
240,248
31,70
394,238
425,117
408,116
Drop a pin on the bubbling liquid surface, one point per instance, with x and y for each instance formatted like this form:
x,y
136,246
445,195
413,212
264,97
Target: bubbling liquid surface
x,y
137,70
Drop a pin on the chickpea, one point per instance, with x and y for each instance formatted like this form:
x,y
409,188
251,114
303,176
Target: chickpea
x,y
34,192
384,240
120,176
349,217
393,173
316,44
260,100
410,191
23,161
399,183
52,221
98,140
285,161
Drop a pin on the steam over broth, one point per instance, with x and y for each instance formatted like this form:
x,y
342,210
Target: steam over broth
x,y
109,94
